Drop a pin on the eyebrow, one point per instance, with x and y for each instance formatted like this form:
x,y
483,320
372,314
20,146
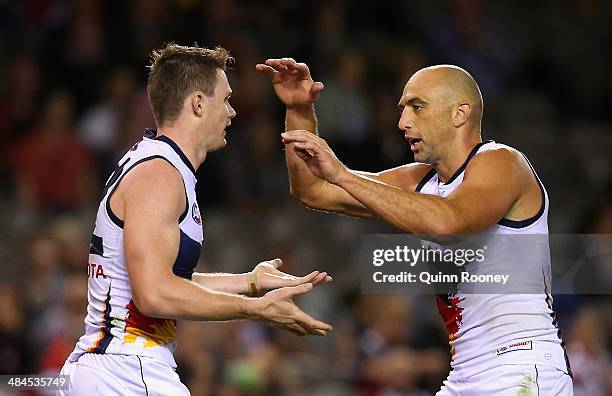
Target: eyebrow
x,y
410,101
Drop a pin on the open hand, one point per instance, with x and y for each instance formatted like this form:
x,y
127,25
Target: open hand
x,y
278,309
268,277
292,81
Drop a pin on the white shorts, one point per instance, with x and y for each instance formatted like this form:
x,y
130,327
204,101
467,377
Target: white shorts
x,y
96,374
511,380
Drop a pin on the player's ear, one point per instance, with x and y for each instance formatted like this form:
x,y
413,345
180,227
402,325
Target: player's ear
x,y
197,103
461,115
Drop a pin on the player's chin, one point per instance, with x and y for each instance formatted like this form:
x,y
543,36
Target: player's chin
x,y
219,146
423,159
418,156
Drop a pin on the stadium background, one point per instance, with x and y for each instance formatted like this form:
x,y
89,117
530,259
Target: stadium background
x,y
73,99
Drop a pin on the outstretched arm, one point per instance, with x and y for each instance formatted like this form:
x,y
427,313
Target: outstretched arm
x,y
494,180
149,255
296,89
264,277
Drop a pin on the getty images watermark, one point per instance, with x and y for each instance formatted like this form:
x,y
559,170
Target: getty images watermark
x,y
409,256
487,263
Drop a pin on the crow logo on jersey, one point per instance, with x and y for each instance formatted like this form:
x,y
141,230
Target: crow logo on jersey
x,y
195,213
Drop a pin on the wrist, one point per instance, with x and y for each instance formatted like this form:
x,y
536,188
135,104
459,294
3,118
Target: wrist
x,y
252,287
342,178
302,110
250,308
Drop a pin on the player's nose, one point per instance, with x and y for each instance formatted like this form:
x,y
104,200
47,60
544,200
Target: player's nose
x,y
404,124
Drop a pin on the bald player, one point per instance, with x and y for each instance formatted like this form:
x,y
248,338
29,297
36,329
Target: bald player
x,y
501,344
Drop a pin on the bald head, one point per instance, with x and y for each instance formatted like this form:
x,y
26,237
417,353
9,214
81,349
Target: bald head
x,y
452,85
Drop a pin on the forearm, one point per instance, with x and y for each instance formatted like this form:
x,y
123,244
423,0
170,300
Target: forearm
x,y
409,211
229,283
302,118
178,298
301,181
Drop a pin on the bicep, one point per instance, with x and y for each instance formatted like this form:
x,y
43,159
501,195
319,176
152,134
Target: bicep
x,y
151,231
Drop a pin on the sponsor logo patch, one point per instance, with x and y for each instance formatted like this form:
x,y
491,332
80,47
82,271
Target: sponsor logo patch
x,y
195,214
515,346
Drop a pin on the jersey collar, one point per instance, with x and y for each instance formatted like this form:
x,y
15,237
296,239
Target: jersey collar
x,y
151,133
464,165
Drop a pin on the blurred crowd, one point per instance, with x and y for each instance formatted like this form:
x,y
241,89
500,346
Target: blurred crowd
x,y
73,100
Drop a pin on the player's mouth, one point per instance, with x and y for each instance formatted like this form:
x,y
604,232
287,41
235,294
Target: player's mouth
x,y
413,142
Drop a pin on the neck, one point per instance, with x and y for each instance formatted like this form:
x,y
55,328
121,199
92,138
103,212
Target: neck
x,y
457,153
186,141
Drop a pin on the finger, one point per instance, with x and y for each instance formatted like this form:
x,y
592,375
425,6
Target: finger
x,y
302,135
322,280
290,280
308,138
272,61
293,291
295,131
276,63
318,325
288,61
288,138
320,333
295,329
309,322
265,69
304,155
308,278
296,136
316,332
319,278
302,67
308,146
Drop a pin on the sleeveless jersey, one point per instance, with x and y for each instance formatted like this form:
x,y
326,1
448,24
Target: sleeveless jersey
x,y
486,330
113,324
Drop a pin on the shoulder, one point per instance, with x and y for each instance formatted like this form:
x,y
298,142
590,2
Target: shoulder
x,y
500,161
155,183
499,155
155,173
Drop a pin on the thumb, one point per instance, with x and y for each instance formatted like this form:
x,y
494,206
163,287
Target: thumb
x,y
315,90
277,263
264,69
